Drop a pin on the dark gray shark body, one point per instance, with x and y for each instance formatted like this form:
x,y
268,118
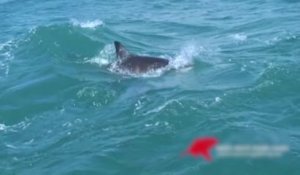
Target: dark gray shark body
x,y
135,63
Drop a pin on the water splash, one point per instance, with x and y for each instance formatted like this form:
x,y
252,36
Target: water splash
x,y
105,57
186,56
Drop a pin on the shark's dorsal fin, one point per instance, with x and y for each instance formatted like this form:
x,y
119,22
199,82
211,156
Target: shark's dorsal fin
x,y
121,50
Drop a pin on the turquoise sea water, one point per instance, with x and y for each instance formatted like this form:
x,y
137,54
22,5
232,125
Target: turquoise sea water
x,y
63,111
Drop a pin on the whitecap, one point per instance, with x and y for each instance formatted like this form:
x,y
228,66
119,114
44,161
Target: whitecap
x,y
87,24
239,37
3,127
217,99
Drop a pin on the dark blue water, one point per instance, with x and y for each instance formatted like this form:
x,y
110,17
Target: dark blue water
x,y
233,74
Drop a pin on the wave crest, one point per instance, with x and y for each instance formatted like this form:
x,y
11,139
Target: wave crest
x,y
87,24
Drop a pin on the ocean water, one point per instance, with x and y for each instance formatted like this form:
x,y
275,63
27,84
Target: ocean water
x,y
63,110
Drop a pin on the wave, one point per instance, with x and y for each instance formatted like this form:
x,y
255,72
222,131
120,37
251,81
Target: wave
x,y
71,44
61,42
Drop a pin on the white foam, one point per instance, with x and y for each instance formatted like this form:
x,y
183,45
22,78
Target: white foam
x,y
4,47
3,127
105,56
151,73
162,106
14,128
239,37
29,142
10,146
87,24
283,36
148,125
158,123
185,56
217,99
5,57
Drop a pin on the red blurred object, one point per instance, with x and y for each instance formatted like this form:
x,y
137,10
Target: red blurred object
x,y
202,147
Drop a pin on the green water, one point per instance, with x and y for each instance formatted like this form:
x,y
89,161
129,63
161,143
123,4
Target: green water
x,y
63,110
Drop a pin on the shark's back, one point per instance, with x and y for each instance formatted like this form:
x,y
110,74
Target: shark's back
x,y
135,63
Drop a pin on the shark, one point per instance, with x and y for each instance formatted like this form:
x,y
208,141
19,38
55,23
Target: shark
x,y
136,63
